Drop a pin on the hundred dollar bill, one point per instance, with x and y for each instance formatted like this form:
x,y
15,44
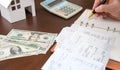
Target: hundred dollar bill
x,y
2,37
11,50
40,47
34,39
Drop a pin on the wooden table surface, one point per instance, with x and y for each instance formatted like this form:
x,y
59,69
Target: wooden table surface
x,y
43,21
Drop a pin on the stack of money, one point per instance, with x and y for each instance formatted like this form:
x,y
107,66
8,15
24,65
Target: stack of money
x,y
19,43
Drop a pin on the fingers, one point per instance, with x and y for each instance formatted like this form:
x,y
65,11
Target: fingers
x,y
96,3
103,8
103,15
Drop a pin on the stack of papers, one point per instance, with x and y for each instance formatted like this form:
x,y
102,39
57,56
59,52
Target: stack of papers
x,y
80,49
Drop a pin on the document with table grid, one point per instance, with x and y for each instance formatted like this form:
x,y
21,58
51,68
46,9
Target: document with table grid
x,y
80,49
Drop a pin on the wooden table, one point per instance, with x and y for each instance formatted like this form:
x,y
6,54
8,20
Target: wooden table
x,y
44,21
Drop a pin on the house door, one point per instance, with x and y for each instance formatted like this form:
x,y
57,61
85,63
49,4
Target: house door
x,y
28,11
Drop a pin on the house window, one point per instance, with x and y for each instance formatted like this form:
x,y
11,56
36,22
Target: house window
x,y
18,6
13,2
13,8
17,1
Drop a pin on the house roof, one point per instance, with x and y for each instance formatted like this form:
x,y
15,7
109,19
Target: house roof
x,y
5,3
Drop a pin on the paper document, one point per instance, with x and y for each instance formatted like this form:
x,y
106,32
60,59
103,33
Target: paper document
x,y
105,26
81,47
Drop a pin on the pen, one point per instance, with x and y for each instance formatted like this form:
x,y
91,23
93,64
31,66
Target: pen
x,y
93,12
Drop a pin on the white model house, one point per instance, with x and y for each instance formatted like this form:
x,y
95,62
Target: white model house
x,y
14,10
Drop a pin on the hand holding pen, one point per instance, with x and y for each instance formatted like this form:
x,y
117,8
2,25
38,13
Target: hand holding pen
x,y
111,9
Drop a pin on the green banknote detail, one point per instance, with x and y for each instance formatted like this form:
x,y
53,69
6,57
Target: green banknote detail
x,y
25,43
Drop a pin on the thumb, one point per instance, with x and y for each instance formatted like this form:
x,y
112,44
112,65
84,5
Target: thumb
x,y
102,8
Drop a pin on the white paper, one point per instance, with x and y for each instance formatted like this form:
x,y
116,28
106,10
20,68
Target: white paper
x,y
82,44
105,26
66,61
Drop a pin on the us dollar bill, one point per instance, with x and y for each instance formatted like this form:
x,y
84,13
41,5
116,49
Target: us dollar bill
x,y
40,47
11,50
2,37
39,40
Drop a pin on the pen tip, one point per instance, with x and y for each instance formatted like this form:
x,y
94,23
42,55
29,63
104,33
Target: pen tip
x,y
90,15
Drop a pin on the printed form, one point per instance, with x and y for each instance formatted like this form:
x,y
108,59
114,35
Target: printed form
x,y
80,49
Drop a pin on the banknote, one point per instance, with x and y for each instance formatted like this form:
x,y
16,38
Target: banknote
x,y
39,40
2,37
11,50
41,47
21,43
42,37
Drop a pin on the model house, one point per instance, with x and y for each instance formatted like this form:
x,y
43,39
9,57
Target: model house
x,y
15,10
